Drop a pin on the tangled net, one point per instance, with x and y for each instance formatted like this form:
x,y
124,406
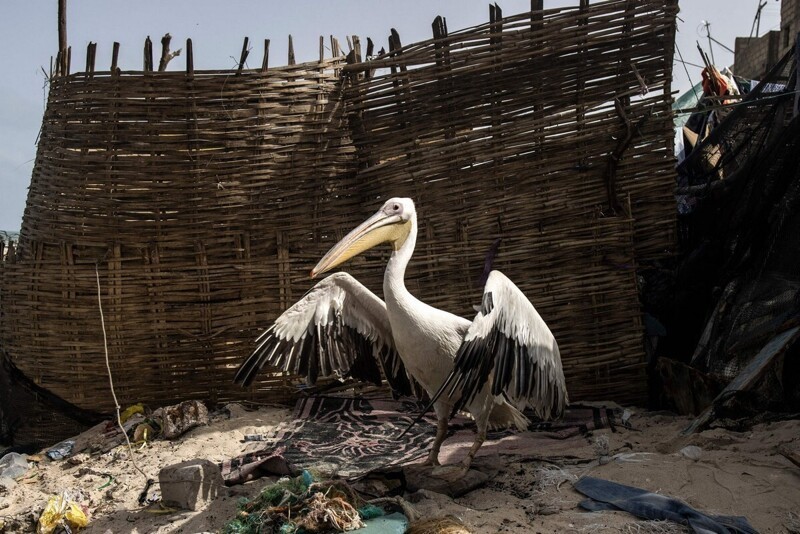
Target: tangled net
x,y
300,505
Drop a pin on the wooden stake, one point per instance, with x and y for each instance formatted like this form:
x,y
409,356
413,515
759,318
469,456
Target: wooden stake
x,y
62,35
536,14
334,46
114,58
243,55
88,57
148,55
265,61
189,58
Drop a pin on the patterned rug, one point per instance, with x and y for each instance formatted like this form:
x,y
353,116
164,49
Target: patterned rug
x,y
351,436
348,437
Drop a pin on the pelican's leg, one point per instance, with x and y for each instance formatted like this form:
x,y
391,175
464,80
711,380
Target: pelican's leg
x,y
482,422
479,439
441,432
442,413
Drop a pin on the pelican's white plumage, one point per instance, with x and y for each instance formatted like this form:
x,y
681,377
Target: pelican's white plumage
x,y
494,366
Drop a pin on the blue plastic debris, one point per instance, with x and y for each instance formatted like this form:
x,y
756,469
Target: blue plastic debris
x,y
395,523
62,450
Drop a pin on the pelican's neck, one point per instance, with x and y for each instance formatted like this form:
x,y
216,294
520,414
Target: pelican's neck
x,y
393,280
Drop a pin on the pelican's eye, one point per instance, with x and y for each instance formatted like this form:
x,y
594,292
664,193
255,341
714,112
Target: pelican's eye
x,y
396,207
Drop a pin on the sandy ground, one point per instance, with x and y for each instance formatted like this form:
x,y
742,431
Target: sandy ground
x,y
737,473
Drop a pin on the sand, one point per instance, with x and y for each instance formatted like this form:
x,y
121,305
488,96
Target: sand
x,y
736,473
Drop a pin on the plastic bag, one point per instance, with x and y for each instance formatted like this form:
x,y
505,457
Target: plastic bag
x,y
61,510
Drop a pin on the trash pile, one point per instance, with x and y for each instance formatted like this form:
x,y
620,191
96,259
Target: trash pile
x,y
140,425
67,510
302,505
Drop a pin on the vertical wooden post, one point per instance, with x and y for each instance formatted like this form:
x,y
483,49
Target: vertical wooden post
x,y
291,52
148,55
626,60
537,25
368,73
62,36
265,61
321,49
496,41
335,52
360,138
357,48
580,104
189,59
536,14
334,46
243,55
495,17
91,50
445,82
284,275
394,49
115,59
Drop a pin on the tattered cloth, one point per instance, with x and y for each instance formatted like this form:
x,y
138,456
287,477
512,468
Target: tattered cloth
x,y
349,437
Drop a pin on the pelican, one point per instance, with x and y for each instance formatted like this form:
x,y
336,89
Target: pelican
x,y
504,360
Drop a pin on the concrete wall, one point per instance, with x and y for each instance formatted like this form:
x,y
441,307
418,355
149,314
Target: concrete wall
x,y
790,23
754,57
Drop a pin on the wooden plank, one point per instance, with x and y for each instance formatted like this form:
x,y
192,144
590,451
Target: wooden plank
x,y
747,377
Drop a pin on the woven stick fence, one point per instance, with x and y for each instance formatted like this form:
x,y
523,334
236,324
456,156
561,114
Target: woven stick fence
x,y
206,196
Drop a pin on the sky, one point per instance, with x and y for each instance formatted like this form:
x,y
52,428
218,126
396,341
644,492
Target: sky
x,y
28,39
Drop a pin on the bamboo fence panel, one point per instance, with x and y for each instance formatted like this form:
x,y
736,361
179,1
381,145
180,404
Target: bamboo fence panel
x,y
182,189
205,197
506,130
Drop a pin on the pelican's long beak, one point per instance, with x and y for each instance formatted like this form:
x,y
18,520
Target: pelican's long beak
x,y
380,228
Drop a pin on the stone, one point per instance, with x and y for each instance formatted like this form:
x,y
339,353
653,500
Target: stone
x,y
692,452
190,485
450,480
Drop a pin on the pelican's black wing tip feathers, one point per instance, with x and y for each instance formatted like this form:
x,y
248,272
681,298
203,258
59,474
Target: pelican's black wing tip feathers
x,y
338,328
510,345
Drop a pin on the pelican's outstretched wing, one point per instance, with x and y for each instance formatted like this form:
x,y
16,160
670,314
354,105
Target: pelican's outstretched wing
x,y
338,328
509,344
